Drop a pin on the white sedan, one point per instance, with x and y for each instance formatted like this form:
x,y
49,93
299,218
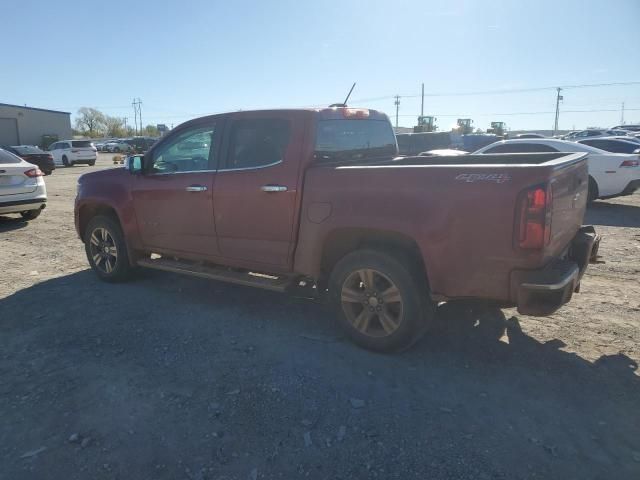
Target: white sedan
x,y
22,188
610,174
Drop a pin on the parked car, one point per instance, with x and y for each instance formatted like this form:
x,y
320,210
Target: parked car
x,y
318,200
33,155
613,144
22,188
443,152
629,128
100,146
594,133
118,146
529,135
72,152
140,144
610,174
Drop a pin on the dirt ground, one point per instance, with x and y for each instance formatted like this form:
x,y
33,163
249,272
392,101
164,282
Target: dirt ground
x,y
170,377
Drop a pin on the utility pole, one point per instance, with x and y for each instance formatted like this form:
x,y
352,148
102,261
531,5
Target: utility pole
x,y
137,112
622,115
397,104
558,98
422,105
125,123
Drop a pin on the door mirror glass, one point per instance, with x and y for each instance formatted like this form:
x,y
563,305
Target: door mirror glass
x,y
133,163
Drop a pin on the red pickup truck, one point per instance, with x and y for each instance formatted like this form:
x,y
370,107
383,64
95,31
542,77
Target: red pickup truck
x,y
318,199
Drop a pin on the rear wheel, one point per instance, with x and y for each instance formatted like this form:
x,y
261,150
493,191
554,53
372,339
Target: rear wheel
x,y
91,164
381,303
31,214
593,193
106,249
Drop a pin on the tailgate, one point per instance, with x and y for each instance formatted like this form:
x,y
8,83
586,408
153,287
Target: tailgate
x,y
14,182
569,185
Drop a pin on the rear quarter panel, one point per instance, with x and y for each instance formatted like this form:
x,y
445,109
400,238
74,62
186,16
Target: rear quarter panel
x,y
463,225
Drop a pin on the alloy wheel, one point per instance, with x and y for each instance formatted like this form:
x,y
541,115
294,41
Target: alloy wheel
x,y
372,303
103,250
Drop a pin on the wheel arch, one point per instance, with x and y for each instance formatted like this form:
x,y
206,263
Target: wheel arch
x,y
342,241
90,210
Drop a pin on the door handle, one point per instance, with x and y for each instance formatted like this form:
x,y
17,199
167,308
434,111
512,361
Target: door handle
x,y
273,188
196,188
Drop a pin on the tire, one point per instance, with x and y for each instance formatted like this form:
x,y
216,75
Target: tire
x,y
91,164
116,150
109,267
65,161
31,214
389,316
593,192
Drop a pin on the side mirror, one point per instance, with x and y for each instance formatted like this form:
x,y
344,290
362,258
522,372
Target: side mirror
x,y
134,163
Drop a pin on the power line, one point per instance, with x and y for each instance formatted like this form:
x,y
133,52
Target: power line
x,y
502,91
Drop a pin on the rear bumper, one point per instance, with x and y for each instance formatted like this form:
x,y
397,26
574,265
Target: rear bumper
x,y
542,292
22,205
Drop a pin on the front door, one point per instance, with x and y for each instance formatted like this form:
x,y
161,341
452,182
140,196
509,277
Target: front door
x,y
173,198
257,186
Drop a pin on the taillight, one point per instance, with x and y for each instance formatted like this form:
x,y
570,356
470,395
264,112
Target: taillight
x,y
534,217
50,157
34,172
630,163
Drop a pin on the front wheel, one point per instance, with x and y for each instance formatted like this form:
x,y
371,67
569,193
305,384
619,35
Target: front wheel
x,y
65,161
106,249
91,164
382,304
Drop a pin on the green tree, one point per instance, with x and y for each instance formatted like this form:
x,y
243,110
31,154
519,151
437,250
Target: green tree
x,y
114,127
90,121
150,131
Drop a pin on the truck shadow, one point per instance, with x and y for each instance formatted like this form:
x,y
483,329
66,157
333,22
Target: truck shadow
x,y
613,215
474,376
8,224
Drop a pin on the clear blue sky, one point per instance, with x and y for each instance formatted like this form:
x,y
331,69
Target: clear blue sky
x,y
186,58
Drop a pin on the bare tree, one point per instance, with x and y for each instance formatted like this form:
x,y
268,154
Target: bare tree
x,y
90,121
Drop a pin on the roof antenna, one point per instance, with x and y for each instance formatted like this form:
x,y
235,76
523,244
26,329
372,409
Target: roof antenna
x,y
344,104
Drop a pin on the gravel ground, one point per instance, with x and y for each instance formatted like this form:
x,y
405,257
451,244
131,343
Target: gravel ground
x,y
171,377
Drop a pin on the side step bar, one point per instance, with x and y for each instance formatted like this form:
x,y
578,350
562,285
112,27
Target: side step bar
x,y
250,279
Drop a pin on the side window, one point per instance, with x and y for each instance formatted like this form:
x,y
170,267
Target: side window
x,y
594,143
188,151
64,145
537,148
503,148
257,142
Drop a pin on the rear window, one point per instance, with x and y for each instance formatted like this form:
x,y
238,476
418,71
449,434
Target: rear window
x,y
7,157
520,148
27,149
80,143
354,139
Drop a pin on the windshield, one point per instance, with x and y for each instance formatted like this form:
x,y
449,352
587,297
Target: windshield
x,y
354,139
80,143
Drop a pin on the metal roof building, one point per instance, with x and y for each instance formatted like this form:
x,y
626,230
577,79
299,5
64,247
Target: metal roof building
x,y
27,125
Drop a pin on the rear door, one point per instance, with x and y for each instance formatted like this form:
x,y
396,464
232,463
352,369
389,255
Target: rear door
x,y
13,181
256,187
173,198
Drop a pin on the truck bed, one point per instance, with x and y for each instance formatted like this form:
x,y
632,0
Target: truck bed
x,y
460,211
